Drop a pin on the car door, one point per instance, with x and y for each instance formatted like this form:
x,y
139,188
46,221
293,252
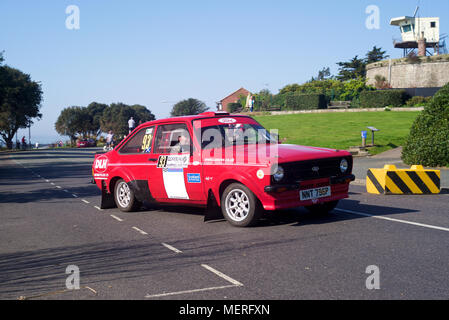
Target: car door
x,y
135,159
178,175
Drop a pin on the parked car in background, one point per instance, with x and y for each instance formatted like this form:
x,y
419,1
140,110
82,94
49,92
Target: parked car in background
x,y
86,143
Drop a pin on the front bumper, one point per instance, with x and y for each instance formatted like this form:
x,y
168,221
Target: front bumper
x,y
278,197
299,184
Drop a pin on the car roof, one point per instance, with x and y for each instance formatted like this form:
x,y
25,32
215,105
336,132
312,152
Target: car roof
x,y
203,115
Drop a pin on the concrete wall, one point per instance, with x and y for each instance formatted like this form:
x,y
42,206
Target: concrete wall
x,y
431,72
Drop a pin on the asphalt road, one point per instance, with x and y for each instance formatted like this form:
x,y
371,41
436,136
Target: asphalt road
x,y
50,220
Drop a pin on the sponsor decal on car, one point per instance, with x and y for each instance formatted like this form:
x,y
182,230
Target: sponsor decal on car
x,y
194,178
101,164
173,161
227,120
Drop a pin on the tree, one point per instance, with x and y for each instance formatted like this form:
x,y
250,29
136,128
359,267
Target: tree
x,y
356,68
116,116
323,74
353,69
375,55
189,106
142,114
73,121
95,111
20,101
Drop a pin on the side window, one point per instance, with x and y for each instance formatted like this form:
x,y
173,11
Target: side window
x,y
139,143
173,138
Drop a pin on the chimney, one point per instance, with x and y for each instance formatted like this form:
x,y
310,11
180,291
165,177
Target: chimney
x,y
422,46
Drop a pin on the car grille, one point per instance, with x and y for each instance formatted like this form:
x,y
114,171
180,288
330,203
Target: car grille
x,y
303,170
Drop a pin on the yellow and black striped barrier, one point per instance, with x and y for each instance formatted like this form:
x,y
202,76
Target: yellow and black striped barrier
x,y
391,180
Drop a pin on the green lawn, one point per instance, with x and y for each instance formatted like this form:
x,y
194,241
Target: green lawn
x,y
342,130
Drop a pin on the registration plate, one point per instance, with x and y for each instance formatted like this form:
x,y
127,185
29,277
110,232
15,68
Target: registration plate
x,y
316,193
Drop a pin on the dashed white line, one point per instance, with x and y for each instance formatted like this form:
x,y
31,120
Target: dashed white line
x,y
222,275
74,195
98,208
394,220
66,191
140,231
171,248
85,201
58,187
116,218
46,180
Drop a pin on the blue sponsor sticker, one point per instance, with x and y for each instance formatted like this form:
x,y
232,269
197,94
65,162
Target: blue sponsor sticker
x,y
193,178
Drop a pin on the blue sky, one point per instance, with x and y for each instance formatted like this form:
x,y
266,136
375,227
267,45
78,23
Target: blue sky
x,y
156,53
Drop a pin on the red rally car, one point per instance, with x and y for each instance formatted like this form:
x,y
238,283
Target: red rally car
x,y
219,160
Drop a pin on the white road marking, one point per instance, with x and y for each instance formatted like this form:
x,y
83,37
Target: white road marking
x,y
171,248
66,190
74,195
85,201
46,180
394,220
58,187
140,231
52,183
98,208
222,275
187,291
116,218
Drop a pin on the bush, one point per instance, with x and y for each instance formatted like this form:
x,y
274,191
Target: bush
x,y
305,101
428,141
382,98
418,101
234,107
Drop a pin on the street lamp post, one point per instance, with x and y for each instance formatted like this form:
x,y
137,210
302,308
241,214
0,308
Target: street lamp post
x,y
29,134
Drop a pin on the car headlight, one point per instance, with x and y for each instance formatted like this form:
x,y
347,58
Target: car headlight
x,y
344,165
279,174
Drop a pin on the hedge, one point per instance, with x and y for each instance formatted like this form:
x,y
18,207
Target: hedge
x,y
428,141
382,98
234,107
305,101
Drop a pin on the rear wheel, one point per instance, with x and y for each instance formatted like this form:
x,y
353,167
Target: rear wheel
x,y
322,208
124,197
240,206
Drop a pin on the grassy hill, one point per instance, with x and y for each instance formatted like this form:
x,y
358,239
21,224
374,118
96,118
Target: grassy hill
x,y
342,130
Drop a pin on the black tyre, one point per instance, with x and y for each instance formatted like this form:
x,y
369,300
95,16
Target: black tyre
x,y
124,197
322,208
240,206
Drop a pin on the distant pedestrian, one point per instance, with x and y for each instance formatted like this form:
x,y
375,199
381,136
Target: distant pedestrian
x,y
253,101
131,124
37,145
110,140
24,142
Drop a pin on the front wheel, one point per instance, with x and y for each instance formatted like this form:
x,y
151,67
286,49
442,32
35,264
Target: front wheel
x,y
322,208
124,197
240,206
